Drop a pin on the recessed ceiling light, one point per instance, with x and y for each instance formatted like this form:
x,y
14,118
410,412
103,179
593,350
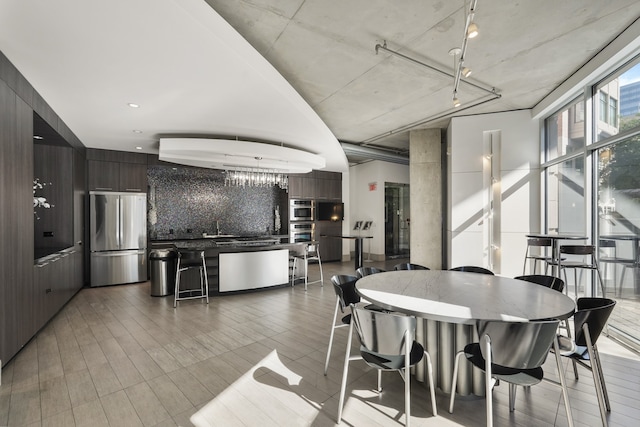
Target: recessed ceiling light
x,y
132,105
137,131
138,148
37,137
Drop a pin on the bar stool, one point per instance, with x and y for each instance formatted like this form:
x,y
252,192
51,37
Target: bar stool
x,y
533,243
189,259
588,262
311,252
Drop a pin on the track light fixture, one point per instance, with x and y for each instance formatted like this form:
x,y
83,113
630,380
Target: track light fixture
x,y
458,53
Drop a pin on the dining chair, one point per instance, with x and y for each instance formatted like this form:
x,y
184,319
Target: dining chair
x,y
188,259
367,271
581,257
387,343
513,352
550,282
536,244
409,266
345,289
589,320
472,269
311,252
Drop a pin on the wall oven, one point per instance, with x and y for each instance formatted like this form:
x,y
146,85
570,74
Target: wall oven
x,y
301,210
301,232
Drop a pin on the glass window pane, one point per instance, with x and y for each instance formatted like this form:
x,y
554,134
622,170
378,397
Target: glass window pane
x,y
565,131
565,197
618,106
618,183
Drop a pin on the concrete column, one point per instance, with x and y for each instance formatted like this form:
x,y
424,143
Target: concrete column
x,y
425,177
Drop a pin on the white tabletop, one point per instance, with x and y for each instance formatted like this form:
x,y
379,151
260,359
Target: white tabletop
x,y
459,297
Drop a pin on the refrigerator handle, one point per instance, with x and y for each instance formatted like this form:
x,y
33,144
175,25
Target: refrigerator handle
x,y
119,222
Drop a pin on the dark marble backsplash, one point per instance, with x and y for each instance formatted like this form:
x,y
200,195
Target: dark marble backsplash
x,y
182,199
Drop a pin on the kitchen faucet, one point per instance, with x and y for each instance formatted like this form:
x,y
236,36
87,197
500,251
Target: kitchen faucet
x,y
217,227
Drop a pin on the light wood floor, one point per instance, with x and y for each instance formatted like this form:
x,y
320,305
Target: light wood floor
x,y
116,356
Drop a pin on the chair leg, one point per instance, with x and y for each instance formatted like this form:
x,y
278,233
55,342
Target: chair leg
x,y
333,329
602,288
177,288
379,381
345,370
512,397
596,354
604,407
407,377
563,381
431,385
321,275
454,380
486,342
206,280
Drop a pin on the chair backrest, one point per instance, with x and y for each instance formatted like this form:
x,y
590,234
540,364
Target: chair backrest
x,y
539,241
190,257
366,271
382,332
313,250
519,345
607,243
472,269
409,266
577,249
345,289
594,312
551,282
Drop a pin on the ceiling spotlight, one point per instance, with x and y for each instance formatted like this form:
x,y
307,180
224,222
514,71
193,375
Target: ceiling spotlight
x,y
137,131
132,105
466,71
472,31
37,137
456,101
138,148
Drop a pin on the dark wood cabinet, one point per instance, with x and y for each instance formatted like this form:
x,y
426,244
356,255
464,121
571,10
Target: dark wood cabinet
x,y
115,176
330,247
103,176
133,177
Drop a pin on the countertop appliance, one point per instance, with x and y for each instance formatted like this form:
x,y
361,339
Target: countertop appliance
x,y
118,237
301,210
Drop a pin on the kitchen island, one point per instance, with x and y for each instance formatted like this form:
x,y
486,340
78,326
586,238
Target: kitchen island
x,y
238,263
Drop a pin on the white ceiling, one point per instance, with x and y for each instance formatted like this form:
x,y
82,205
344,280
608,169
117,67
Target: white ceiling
x,y
193,75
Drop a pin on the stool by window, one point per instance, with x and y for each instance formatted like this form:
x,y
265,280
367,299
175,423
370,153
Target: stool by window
x,y
311,252
188,260
587,262
537,243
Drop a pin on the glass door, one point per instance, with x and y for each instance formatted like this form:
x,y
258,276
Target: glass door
x,y
396,220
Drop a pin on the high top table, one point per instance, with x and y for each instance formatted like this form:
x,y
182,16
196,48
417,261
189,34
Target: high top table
x,y
451,302
359,258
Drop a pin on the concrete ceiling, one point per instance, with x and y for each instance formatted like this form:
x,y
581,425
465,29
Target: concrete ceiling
x,y
193,75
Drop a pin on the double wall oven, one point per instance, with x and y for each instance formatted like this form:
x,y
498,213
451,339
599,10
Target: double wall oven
x,y
301,227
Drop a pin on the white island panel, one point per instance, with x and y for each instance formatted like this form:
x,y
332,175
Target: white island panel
x,y
253,270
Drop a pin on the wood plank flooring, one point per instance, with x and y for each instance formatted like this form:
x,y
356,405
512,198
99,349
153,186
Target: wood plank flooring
x,y
115,356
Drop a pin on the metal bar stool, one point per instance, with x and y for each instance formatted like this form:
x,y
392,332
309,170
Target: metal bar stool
x,y
533,243
188,259
311,252
588,262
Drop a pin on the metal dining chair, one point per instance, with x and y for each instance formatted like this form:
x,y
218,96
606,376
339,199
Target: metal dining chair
x,y
589,321
409,266
345,289
579,257
472,269
550,282
513,352
387,344
366,271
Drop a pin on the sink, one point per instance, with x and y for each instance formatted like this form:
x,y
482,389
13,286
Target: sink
x,y
218,236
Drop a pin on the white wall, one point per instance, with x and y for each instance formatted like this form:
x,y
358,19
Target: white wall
x,y
367,205
519,159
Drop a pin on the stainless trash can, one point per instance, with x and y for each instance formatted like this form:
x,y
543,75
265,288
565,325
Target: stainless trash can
x,y
163,271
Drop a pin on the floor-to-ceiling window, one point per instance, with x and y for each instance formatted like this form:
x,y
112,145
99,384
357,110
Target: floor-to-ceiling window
x,y
601,152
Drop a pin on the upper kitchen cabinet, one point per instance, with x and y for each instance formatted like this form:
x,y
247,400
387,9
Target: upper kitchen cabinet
x,y
116,171
318,185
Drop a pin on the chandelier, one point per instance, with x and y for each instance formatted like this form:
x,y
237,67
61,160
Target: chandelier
x,y
255,177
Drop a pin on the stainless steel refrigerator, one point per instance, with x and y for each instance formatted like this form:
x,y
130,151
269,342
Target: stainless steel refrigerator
x,y
118,239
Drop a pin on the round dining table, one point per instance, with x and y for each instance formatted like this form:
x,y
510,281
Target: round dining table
x,y
451,302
